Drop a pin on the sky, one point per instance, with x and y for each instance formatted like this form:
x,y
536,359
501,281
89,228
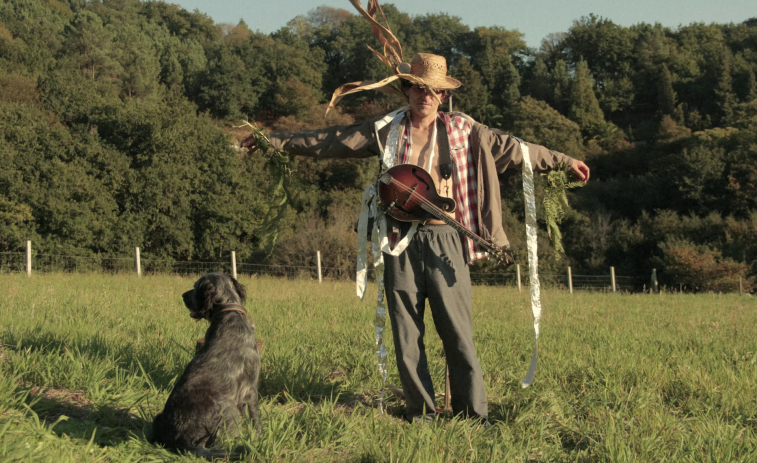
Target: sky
x,y
535,18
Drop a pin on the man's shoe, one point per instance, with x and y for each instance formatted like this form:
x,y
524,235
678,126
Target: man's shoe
x,y
483,422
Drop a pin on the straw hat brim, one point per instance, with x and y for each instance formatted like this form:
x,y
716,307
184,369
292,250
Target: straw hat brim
x,y
444,83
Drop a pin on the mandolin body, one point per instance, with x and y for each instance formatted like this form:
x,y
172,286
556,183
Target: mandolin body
x,y
408,192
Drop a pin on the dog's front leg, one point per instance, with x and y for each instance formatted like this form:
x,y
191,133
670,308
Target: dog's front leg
x,y
251,409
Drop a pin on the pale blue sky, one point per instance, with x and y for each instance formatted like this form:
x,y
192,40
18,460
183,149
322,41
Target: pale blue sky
x,y
535,18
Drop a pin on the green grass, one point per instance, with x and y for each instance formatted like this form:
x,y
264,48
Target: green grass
x,y
88,360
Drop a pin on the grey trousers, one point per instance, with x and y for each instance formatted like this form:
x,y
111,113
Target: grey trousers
x,y
433,267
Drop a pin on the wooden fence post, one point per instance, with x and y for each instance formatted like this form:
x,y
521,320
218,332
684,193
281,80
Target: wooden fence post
x,y
137,263
741,286
570,281
28,258
318,257
517,272
653,287
234,264
612,277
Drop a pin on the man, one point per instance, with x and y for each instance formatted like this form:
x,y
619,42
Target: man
x,y
430,261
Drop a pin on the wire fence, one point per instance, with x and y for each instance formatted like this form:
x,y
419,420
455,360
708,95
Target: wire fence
x,y
553,280
15,262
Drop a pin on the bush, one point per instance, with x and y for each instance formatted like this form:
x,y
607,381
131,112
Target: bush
x,y
702,268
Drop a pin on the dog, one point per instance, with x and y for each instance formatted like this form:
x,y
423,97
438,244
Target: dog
x,y
219,387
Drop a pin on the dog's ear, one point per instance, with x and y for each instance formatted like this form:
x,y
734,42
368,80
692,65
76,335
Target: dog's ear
x,y
240,289
208,292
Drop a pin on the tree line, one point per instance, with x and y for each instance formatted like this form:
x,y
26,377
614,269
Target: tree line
x,y
117,130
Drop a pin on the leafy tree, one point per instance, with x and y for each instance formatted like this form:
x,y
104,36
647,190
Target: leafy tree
x,y
33,34
91,42
501,40
667,96
295,98
473,96
139,62
493,61
742,160
53,174
604,45
17,88
538,81
751,86
438,33
702,268
511,93
607,49
15,221
584,107
700,171
227,88
724,89
551,49
537,122
561,84
180,22
327,17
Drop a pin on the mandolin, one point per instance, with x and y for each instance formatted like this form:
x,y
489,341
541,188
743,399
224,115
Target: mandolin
x,y
408,193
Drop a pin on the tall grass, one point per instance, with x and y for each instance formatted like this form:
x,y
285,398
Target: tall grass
x,y
88,360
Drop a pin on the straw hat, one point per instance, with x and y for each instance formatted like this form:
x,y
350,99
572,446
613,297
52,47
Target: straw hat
x,y
429,71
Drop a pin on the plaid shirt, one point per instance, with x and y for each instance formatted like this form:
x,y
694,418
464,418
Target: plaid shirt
x,y
458,133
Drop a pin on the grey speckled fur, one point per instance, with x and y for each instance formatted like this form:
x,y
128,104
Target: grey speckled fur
x,y
220,385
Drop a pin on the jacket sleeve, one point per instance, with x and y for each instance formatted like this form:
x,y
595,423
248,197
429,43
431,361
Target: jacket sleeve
x,y
506,152
338,141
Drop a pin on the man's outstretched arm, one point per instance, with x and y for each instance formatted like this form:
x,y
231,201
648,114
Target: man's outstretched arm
x,y
338,141
506,152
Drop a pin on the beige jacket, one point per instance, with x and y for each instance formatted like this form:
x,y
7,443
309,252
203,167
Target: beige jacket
x,y
493,152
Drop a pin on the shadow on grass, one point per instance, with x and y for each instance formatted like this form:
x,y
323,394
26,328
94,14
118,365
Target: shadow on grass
x,y
96,348
79,418
284,376
301,377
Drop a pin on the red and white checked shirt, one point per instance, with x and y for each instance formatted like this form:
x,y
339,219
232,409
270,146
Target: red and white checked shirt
x,y
458,132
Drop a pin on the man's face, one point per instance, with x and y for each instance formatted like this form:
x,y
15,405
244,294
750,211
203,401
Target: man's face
x,y
422,102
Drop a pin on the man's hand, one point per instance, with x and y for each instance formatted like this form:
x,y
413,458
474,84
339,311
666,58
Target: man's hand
x,y
581,170
250,142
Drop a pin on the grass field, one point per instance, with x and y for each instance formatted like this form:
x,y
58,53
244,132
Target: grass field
x,y
87,360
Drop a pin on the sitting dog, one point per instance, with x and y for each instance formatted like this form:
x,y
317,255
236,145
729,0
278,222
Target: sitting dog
x,y
220,385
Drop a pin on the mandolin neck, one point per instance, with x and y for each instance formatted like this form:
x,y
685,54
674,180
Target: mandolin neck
x,y
439,214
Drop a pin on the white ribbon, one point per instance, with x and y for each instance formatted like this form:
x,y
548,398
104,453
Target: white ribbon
x,y
392,140
533,258
380,322
366,211
384,243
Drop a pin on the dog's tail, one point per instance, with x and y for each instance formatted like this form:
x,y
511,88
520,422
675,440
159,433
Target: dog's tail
x,y
213,454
